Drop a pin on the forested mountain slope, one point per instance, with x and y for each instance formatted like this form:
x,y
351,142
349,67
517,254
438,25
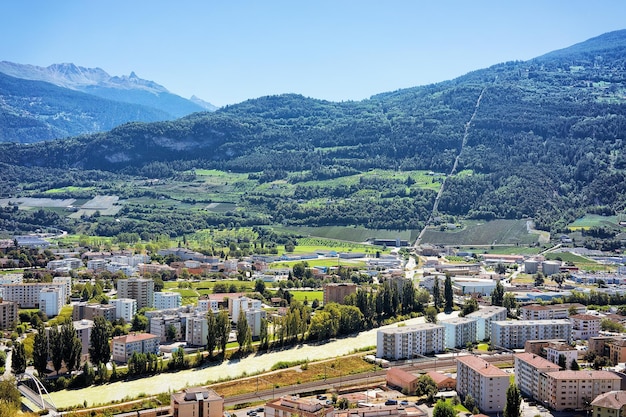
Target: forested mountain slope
x,y
546,141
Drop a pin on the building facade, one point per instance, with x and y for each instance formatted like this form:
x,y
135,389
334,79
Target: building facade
x,y
165,300
197,402
555,350
459,331
140,289
8,314
88,311
410,341
294,406
575,390
610,404
51,301
337,292
585,326
514,334
550,312
483,381
123,347
528,368
484,316
125,308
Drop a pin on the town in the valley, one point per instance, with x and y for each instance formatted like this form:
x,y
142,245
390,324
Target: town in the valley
x,y
437,329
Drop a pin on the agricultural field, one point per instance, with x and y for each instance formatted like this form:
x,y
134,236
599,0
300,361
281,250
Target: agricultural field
x,y
508,250
594,220
349,234
321,263
26,203
495,232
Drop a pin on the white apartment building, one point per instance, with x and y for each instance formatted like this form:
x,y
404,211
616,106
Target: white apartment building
x,y
26,294
83,330
125,308
51,301
513,334
159,326
483,381
207,304
459,331
65,264
549,312
254,321
139,289
410,341
554,350
528,368
573,390
97,265
484,316
123,347
196,330
585,326
239,304
167,299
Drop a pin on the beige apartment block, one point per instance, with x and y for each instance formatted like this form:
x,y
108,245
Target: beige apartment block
x,y
528,367
140,289
585,326
549,312
8,314
513,334
610,404
410,341
197,402
575,390
298,407
483,381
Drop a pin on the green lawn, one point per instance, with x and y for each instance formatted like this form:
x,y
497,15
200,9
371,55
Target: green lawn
x,y
308,295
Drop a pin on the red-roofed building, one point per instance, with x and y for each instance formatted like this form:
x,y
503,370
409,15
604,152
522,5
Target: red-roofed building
x,y
404,380
483,381
443,382
123,347
528,367
585,326
610,404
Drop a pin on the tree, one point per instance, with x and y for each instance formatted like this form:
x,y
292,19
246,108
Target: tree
x,y
244,334
574,366
139,323
512,408
40,352
497,295
469,306
170,333
18,359
510,303
469,402
72,346
56,348
259,286
10,398
562,361
437,294
426,386
223,330
430,314
443,409
211,335
99,348
447,294
539,280
264,334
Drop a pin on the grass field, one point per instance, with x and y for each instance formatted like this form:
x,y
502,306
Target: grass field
x,y
307,295
320,262
512,250
593,220
494,232
350,234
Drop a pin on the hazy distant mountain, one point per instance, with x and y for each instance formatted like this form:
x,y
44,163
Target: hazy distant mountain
x,y
204,104
96,81
33,111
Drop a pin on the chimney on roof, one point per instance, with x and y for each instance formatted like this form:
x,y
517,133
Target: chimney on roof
x,y
486,365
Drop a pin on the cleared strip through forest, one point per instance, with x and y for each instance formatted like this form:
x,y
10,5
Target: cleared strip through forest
x,y
452,171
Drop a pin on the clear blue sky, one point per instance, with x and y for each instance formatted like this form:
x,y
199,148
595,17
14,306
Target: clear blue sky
x,y
227,51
